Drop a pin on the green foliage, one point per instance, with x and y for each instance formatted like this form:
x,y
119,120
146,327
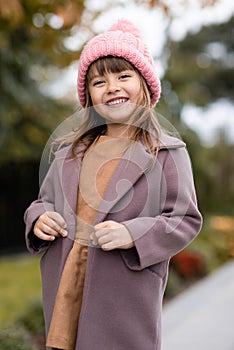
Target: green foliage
x,y
20,284
15,339
32,318
21,316
29,43
214,174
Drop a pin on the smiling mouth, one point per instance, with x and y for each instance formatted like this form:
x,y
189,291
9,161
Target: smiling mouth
x,y
116,102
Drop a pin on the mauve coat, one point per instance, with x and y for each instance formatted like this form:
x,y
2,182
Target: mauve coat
x,y
123,291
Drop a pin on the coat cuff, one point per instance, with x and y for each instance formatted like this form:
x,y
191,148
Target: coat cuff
x,y
33,243
134,257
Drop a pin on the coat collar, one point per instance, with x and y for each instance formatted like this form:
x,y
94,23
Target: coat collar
x,y
170,142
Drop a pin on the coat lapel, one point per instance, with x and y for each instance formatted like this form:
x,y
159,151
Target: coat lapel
x,y
70,172
132,166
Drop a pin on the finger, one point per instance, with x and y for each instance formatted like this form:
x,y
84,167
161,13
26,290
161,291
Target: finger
x,y
104,224
53,225
93,238
104,240
43,236
57,218
46,229
101,232
109,246
97,236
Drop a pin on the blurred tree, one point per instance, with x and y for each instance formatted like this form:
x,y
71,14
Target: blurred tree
x,y
221,171
32,40
213,169
200,72
200,68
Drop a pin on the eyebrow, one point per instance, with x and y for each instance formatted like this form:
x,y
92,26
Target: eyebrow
x,y
96,76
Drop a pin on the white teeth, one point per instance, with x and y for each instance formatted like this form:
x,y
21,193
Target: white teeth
x,y
116,102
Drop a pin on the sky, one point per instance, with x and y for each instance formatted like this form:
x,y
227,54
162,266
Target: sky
x,y
152,24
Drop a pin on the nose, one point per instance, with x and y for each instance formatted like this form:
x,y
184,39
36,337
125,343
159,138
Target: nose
x,y
112,86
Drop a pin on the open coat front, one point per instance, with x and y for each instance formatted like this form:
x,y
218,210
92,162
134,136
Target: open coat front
x,y
123,291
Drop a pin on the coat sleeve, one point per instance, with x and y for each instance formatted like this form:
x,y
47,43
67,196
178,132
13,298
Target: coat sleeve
x,y
45,202
159,238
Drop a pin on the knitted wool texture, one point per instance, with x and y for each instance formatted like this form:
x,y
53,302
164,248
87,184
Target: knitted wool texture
x,y
122,40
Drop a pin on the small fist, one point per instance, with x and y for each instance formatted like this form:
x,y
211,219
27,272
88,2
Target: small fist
x,y
112,235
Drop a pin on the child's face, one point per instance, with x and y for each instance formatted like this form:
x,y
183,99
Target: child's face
x,y
115,95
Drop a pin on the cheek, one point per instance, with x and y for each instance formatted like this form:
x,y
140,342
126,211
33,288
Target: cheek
x,y
138,94
95,96
136,89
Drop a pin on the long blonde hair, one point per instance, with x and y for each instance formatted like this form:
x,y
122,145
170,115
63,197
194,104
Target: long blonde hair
x,y
146,129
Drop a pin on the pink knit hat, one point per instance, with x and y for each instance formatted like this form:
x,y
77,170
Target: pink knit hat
x,y
122,40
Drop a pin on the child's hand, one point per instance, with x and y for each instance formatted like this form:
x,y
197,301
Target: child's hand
x,y
111,235
50,225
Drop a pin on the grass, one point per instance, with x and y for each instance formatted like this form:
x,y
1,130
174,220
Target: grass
x,y
20,285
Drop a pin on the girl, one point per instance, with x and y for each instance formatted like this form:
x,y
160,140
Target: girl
x,y
117,202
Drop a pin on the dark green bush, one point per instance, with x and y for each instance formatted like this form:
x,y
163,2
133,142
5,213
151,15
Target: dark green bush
x,y
15,339
32,319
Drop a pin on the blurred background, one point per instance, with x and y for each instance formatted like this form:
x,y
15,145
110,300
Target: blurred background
x,y
192,42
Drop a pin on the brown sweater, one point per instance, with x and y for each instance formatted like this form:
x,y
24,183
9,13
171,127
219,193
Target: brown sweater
x,y
99,164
